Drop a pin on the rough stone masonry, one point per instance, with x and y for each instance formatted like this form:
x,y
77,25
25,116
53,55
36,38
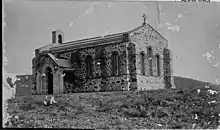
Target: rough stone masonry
x,y
134,60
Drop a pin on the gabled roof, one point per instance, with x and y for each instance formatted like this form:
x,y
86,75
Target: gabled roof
x,y
48,47
81,43
90,41
60,62
150,27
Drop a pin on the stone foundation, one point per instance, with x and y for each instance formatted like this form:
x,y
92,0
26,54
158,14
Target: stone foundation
x,y
150,83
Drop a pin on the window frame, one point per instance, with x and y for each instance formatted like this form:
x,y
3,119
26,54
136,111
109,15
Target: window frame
x,y
142,62
150,59
115,63
157,61
89,66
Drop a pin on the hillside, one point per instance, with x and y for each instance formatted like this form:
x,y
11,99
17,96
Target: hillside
x,y
179,108
155,109
182,82
187,83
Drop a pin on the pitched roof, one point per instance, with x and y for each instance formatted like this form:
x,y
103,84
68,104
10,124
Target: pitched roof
x,y
90,41
60,62
150,27
48,47
81,43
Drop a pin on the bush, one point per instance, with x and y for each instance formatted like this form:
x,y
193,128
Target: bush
x,y
133,112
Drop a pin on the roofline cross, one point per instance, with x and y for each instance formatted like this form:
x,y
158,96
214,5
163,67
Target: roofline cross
x,y
144,17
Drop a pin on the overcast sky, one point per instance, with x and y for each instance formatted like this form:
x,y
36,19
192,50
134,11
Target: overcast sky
x,y
193,30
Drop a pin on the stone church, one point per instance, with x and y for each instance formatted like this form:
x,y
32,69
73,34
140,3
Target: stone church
x,y
138,59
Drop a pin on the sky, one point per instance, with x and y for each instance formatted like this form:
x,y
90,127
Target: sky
x,y
192,30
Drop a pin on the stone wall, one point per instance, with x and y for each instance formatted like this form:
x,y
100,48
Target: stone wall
x,y
144,38
132,66
150,83
23,85
171,70
168,77
130,77
101,79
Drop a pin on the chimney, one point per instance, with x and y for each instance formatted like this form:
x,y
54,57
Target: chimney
x,y
57,37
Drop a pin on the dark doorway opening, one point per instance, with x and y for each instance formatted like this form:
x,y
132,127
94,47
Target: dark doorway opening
x,y
68,81
50,81
59,39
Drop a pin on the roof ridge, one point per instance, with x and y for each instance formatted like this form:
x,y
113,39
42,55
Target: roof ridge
x,y
150,27
157,31
96,38
86,41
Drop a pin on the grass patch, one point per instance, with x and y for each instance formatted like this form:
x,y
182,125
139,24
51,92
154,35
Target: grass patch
x,y
155,109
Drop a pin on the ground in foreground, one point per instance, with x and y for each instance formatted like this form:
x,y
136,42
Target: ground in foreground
x,y
155,109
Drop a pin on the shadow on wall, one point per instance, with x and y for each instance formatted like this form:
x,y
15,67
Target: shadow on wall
x,y
23,85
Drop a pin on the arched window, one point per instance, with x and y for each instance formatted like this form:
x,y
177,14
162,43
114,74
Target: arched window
x,y
115,63
158,65
142,63
89,66
149,57
59,39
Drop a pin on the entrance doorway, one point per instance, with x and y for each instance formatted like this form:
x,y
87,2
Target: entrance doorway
x,y
49,80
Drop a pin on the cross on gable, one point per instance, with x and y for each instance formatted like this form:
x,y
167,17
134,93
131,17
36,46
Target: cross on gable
x,y
144,17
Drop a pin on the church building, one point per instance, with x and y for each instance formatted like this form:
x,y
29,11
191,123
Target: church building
x,y
138,59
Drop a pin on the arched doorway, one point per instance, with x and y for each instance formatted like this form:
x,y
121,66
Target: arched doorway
x,y
49,80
